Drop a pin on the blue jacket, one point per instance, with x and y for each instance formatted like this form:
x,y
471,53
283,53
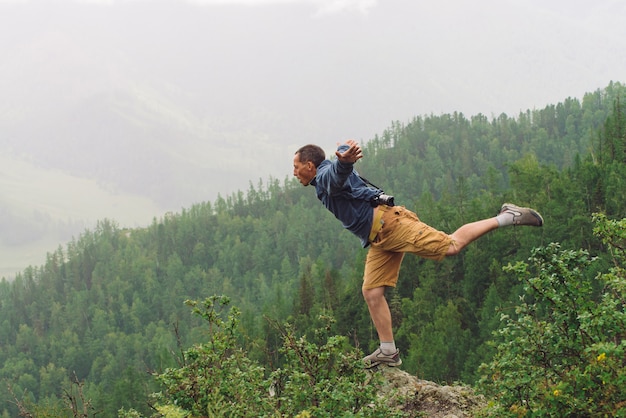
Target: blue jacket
x,y
346,195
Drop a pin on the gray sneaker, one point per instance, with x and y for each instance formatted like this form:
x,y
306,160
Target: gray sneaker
x,y
378,357
522,216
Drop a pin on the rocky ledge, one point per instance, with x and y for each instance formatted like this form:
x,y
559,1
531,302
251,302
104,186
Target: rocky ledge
x,y
423,398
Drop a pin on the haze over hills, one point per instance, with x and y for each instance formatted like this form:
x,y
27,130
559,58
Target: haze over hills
x,y
126,110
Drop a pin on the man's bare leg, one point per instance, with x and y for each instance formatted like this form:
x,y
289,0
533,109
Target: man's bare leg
x,y
387,353
379,311
469,233
510,214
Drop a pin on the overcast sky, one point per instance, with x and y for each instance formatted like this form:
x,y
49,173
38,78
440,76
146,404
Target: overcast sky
x,y
255,79
352,65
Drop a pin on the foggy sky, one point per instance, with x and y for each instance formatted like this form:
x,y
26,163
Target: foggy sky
x,y
234,87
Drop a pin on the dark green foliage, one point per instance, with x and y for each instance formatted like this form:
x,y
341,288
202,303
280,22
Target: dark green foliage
x,y
109,305
216,377
563,351
323,378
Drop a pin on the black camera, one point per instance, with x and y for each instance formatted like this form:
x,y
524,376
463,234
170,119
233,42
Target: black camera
x,y
382,199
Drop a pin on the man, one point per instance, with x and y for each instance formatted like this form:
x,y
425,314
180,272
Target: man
x,y
388,231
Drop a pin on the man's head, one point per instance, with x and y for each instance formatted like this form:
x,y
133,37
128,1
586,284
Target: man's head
x,y
306,161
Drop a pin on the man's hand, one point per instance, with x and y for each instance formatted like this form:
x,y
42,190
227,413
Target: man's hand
x,y
352,154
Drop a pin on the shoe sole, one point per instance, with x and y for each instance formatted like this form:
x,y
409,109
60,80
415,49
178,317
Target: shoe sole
x,y
378,363
533,212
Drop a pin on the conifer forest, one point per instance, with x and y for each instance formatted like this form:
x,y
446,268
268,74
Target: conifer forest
x,y
112,309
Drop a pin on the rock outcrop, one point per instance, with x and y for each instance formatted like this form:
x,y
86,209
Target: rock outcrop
x,y
424,398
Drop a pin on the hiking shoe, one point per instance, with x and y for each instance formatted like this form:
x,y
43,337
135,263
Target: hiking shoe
x,y
522,216
378,357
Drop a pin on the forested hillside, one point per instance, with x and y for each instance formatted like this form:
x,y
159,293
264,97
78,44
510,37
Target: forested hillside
x,y
108,307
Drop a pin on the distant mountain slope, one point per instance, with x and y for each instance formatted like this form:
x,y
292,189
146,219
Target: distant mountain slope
x,y
41,209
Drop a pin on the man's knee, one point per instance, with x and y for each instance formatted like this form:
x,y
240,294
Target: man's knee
x,y
454,247
374,295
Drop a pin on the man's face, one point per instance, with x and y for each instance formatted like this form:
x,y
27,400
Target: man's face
x,y
305,172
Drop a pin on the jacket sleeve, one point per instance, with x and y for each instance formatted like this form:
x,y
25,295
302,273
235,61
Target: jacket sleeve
x,y
338,173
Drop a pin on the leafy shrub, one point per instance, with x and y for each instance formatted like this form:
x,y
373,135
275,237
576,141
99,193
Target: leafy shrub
x,y
217,379
325,379
564,352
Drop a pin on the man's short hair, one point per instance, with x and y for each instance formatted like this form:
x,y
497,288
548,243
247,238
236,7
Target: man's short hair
x,y
312,153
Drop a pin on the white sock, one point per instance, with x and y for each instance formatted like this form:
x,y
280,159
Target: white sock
x,y
388,347
505,219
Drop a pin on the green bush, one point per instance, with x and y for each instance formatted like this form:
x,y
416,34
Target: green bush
x,y
217,378
563,353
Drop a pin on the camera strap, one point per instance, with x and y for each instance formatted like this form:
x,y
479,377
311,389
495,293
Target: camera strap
x,y
381,198
369,183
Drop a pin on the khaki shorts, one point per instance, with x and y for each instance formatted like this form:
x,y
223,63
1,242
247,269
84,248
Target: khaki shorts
x,y
402,232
